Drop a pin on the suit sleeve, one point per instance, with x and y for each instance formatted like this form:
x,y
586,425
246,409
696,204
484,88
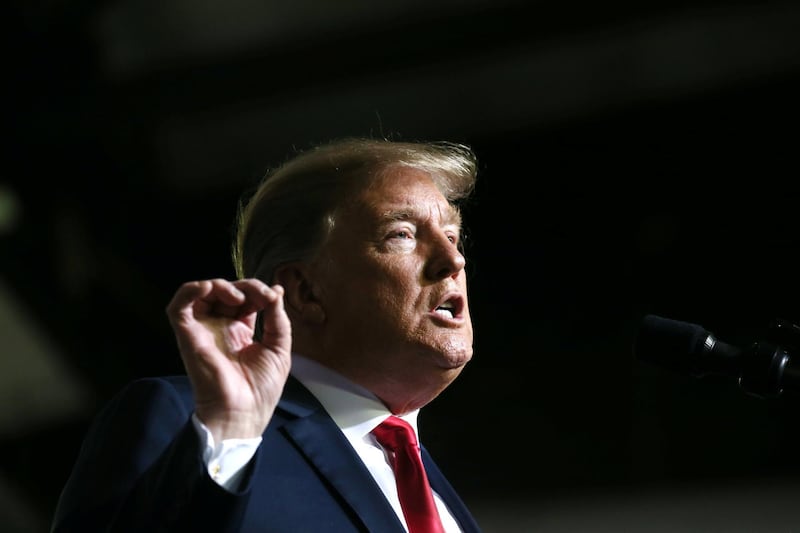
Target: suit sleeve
x,y
140,468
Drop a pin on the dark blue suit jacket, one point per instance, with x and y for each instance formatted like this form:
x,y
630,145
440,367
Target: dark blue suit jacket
x,y
140,469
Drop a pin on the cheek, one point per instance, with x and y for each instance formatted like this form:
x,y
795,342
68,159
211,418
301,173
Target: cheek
x,y
394,299
393,295
378,284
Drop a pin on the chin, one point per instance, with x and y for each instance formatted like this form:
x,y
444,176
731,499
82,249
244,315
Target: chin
x,y
455,358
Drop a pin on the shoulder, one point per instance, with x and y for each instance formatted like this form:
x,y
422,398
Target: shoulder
x,y
154,393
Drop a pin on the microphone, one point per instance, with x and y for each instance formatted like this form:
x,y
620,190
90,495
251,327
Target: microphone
x,y
763,369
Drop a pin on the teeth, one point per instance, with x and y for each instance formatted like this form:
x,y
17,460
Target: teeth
x,y
444,312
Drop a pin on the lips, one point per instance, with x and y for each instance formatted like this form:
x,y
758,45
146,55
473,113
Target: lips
x,y
450,307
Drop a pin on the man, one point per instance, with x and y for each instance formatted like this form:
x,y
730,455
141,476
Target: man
x,y
350,308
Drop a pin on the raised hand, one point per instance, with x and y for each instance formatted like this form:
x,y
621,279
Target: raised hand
x,y
236,380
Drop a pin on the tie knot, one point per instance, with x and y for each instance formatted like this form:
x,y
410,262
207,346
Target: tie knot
x,y
395,433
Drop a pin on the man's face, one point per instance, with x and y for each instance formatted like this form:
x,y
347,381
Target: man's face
x,y
393,287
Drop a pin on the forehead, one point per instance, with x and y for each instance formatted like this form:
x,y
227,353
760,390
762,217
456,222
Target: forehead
x,y
404,192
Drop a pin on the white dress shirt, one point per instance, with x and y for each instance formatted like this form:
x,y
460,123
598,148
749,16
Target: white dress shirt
x,y
354,409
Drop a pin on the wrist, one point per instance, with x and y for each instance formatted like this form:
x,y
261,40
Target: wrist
x,y
231,426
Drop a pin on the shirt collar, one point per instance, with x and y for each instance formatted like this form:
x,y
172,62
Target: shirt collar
x,y
356,410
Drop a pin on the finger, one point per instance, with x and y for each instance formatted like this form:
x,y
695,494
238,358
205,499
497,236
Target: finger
x,y
212,290
225,292
276,324
238,300
214,297
258,294
186,294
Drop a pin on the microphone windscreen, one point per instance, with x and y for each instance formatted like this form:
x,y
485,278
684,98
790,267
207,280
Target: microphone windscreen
x,y
670,343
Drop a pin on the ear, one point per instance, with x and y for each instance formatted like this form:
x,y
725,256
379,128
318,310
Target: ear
x,y
300,296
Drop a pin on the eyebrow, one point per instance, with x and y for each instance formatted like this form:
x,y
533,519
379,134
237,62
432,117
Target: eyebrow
x,y
450,217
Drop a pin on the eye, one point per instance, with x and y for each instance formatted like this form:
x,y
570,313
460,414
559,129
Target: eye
x,y
453,238
401,234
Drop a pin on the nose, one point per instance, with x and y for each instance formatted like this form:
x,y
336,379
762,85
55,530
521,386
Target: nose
x,y
445,260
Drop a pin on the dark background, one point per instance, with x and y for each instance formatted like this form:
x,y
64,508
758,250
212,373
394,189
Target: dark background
x,y
635,158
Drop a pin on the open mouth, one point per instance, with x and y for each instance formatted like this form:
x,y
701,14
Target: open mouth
x,y
451,307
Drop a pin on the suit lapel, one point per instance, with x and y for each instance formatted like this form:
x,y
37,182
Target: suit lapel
x,y
317,435
449,495
321,441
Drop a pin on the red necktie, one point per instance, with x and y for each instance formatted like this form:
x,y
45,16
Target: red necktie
x,y
416,498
